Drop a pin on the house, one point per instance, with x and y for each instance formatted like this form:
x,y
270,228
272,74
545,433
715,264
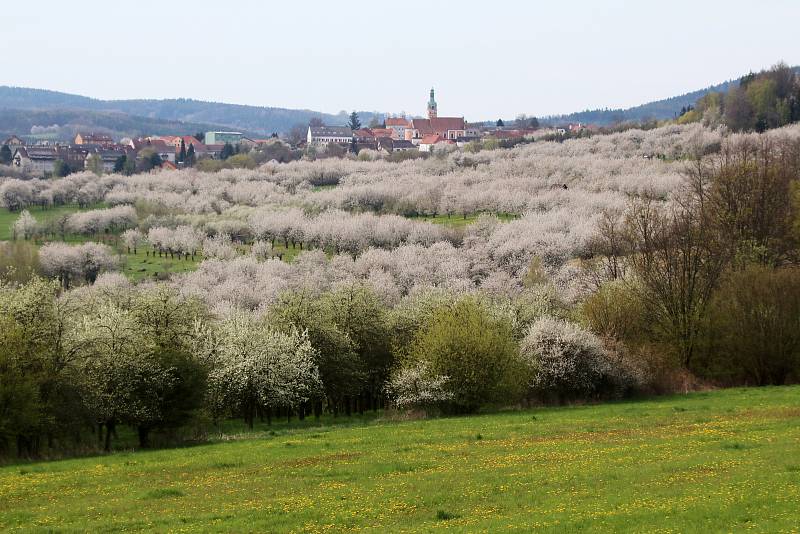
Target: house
x,y
389,145
382,132
324,135
169,139
209,151
401,145
165,151
108,158
42,159
430,141
247,142
93,139
398,126
187,141
447,127
220,138
364,138
13,142
363,135
35,159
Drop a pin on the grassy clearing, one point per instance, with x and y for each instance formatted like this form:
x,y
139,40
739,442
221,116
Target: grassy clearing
x,y
7,218
141,266
721,461
326,187
459,221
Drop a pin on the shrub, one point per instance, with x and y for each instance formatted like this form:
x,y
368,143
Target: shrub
x,y
476,351
615,311
570,362
754,330
415,386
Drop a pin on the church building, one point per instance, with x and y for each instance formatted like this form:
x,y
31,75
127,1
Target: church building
x,y
449,128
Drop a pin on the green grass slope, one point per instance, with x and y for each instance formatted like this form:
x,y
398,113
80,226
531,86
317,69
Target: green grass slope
x,y
725,461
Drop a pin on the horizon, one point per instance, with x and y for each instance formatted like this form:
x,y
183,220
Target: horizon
x,y
567,58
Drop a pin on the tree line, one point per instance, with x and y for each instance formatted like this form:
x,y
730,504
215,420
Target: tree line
x,y
758,102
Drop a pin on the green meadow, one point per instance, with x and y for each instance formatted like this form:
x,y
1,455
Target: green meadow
x,y
43,215
461,221
722,461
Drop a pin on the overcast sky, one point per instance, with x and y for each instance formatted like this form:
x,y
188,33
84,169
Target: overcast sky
x,y
485,58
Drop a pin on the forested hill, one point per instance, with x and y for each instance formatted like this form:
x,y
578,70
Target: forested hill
x,y
64,123
668,108
259,120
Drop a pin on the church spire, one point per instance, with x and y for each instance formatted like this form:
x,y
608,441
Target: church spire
x,y
432,106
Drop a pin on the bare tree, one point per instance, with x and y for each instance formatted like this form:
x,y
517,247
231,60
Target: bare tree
x,y
678,261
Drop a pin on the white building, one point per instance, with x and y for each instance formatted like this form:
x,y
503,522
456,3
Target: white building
x,y
324,135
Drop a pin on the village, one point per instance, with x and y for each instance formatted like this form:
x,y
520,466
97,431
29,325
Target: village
x,y
100,153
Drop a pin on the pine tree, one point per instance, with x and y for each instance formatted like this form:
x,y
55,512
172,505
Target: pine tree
x,y
5,155
355,122
191,158
182,153
227,151
119,165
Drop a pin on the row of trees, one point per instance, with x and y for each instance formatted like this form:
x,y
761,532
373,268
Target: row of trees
x,y
712,279
760,101
75,365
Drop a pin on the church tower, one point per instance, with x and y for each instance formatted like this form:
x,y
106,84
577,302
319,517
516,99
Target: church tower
x,y
432,106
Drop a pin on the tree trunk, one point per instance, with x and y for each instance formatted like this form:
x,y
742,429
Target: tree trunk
x,y
109,430
144,436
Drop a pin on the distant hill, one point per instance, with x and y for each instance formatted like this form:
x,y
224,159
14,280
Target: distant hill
x,y
52,112
64,123
668,108
257,120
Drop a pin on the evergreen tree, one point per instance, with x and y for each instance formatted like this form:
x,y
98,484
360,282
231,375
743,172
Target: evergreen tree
x,y
182,153
5,155
155,160
191,157
119,164
227,151
355,122
61,168
500,123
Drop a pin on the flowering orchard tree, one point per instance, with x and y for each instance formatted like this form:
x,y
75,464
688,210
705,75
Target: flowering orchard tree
x,y
16,194
256,368
261,250
219,247
133,239
26,226
122,380
94,222
70,262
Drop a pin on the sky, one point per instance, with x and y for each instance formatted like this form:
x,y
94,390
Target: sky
x,y
486,59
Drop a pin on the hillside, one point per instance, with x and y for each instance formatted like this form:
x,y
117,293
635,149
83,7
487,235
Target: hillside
x,y
259,120
180,115
63,123
723,461
664,109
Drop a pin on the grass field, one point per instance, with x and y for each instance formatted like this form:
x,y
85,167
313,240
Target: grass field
x,y
725,461
7,218
140,266
459,221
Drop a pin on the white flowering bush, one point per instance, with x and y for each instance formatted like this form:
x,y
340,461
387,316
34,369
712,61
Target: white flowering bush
x,y
564,359
416,387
